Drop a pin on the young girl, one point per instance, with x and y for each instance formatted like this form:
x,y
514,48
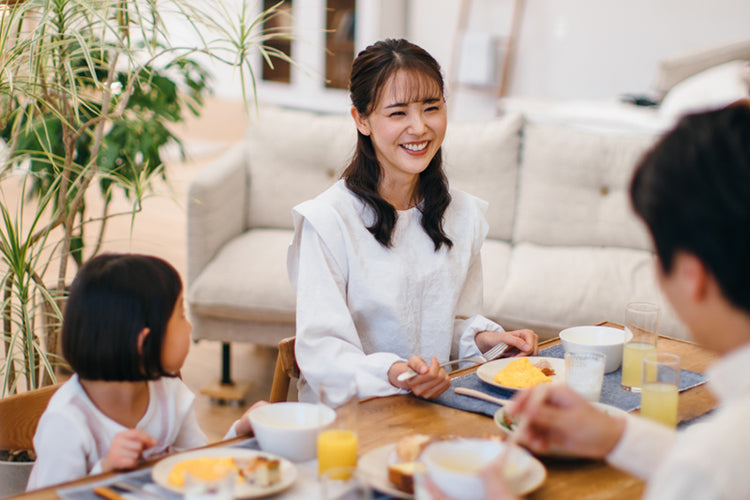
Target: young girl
x,y
386,263
126,336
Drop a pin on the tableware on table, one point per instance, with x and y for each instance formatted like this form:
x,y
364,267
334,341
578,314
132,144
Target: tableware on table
x,y
472,393
508,425
641,320
344,483
660,388
455,465
290,429
373,470
218,486
487,371
123,485
584,373
337,441
242,489
108,493
604,339
493,353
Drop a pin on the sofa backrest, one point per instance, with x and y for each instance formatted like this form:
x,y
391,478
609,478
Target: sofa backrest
x,y
293,156
481,158
574,188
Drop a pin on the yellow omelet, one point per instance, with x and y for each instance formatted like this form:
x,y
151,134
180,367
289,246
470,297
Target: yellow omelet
x,y
521,374
205,468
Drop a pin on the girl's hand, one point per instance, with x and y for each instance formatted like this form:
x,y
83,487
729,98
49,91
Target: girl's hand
x,y
430,382
244,426
126,450
563,422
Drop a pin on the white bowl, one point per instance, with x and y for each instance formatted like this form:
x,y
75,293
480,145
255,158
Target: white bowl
x,y
604,339
454,466
290,429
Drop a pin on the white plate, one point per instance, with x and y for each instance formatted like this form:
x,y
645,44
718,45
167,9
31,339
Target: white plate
x,y
243,489
487,371
373,470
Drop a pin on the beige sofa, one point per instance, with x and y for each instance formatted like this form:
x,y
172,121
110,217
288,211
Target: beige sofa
x,y
563,246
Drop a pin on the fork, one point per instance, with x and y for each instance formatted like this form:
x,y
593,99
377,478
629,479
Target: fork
x,y
493,353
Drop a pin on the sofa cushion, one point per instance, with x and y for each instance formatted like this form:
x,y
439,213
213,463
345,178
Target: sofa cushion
x,y
573,188
292,157
557,287
481,158
247,280
495,267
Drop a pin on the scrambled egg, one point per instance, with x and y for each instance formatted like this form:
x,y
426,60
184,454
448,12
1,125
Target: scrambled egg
x,y
205,468
521,374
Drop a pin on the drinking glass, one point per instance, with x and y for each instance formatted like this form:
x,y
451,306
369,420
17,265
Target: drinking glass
x,y
343,483
337,442
584,373
660,390
641,320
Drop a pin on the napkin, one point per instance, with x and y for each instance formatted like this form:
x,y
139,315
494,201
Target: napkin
x,y
612,393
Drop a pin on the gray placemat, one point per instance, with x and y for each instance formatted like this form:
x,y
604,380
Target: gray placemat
x,y
140,478
612,393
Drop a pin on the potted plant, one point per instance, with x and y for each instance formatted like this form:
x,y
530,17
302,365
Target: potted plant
x,y
88,91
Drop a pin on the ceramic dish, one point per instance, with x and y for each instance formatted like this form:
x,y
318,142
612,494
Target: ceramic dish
x,y
507,428
487,371
243,489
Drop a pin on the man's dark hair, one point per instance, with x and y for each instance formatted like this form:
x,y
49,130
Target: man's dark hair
x,y
112,299
692,189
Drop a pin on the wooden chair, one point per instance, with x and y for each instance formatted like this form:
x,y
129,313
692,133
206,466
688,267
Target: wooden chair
x,y
286,370
20,415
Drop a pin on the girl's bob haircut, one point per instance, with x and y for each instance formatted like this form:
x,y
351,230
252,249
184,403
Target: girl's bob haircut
x,y
112,299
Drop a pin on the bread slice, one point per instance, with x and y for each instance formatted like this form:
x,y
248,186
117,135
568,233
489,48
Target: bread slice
x,y
401,474
410,447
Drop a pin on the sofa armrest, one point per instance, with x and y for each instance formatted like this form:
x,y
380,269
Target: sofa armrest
x,y
216,208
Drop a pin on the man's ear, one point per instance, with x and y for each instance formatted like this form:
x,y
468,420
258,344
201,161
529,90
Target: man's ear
x,y
360,121
696,276
142,338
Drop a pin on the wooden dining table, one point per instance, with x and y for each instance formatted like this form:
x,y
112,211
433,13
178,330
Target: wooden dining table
x,y
388,419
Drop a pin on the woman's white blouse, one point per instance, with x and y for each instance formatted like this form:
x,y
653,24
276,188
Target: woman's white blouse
x,y
362,306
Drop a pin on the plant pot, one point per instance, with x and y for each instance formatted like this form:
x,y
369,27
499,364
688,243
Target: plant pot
x,y
13,477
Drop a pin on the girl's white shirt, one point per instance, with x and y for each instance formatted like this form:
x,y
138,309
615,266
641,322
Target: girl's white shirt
x,y
361,306
74,436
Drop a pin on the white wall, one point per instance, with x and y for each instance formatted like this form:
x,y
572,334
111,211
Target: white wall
x,y
586,48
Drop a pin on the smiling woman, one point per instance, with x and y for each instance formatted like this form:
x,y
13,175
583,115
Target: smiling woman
x,y
390,254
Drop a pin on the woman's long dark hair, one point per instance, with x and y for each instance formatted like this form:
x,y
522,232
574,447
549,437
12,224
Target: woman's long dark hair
x,y
370,71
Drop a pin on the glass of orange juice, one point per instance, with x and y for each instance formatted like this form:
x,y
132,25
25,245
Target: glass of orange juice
x,y
641,321
337,442
660,389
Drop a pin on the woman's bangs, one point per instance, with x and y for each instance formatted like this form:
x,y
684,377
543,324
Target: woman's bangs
x,y
413,86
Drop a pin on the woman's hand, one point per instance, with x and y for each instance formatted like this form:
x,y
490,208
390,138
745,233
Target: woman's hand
x,y
561,421
126,450
430,382
526,341
244,426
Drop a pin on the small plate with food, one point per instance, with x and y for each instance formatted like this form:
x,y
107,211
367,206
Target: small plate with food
x,y
391,468
507,425
521,372
258,474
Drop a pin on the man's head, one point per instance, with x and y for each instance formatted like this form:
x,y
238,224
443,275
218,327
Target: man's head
x,y
693,192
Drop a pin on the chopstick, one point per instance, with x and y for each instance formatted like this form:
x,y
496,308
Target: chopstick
x,y
108,493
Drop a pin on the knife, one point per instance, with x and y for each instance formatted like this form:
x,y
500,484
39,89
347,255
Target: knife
x,y
480,395
108,493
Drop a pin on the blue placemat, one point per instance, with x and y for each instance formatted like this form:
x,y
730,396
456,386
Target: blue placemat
x,y
612,393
